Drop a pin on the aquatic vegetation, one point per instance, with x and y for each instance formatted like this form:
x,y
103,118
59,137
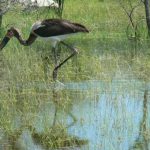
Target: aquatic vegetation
x,y
57,137
103,86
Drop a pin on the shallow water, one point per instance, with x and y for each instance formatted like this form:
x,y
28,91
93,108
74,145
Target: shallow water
x,y
110,119
109,115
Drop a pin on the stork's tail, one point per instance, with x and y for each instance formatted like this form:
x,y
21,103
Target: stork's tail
x,y
81,27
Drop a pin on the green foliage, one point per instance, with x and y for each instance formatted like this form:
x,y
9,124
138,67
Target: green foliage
x,y
104,54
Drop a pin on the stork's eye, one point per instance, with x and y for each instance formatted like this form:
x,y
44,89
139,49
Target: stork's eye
x,y
10,33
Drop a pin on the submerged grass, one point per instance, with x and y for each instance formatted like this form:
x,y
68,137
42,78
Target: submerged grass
x,y
58,137
54,137
104,54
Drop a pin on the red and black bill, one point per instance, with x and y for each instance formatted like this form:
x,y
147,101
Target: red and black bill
x,y
4,41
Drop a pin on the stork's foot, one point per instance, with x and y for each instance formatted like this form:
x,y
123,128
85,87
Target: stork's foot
x,y
76,51
55,74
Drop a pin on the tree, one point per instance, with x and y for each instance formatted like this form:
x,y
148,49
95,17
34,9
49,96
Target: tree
x,y
147,13
61,6
3,9
129,6
5,5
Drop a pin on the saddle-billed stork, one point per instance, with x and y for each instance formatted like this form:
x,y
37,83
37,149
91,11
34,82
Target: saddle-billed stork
x,y
56,30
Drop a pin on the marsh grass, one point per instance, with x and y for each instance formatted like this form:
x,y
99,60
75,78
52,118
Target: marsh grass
x,y
104,54
57,137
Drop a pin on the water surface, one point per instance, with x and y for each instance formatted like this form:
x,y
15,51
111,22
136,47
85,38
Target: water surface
x,y
109,114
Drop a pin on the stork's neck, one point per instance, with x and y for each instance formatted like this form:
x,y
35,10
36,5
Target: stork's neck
x,y
27,42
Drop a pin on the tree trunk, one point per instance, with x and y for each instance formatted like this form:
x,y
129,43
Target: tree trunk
x,y
1,13
1,16
147,13
60,9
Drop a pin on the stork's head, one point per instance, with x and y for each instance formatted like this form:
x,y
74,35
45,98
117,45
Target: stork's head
x,y
10,33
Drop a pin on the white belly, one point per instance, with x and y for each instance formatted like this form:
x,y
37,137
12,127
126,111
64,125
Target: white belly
x,y
59,37
56,39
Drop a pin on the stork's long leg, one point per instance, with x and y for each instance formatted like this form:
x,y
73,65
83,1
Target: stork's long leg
x,y
55,115
75,51
55,52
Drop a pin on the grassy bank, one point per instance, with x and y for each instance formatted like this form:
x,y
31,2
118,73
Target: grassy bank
x,y
105,53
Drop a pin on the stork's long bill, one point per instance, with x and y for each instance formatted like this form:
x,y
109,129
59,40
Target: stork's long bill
x,y
4,41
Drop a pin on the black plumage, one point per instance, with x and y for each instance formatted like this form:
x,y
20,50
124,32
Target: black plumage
x,y
55,27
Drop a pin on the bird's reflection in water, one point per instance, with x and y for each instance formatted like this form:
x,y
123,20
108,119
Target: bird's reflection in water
x,y
60,104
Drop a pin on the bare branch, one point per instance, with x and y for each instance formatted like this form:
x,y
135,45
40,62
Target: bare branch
x,y
123,7
129,11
